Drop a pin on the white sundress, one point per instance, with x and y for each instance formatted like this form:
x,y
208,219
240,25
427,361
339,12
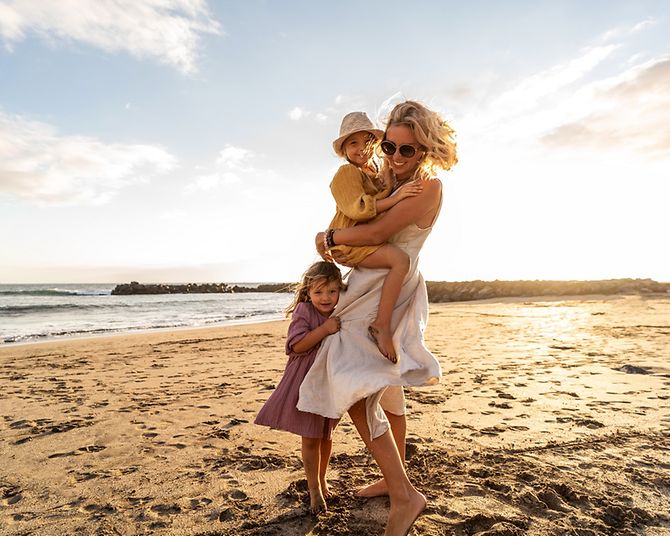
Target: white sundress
x,y
349,367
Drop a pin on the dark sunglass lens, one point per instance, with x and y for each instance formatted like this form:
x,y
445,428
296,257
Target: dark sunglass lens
x,y
388,147
407,151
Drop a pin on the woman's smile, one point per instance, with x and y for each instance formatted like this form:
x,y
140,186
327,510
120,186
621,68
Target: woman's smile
x,y
402,166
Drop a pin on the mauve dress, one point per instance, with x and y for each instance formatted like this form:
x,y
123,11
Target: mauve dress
x,y
280,411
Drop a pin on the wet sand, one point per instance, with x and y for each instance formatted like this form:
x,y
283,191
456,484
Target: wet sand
x,y
553,417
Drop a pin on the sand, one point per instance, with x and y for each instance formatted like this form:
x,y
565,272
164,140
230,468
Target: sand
x,y
553,417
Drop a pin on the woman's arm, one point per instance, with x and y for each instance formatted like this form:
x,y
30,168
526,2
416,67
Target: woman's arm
x,y
410,210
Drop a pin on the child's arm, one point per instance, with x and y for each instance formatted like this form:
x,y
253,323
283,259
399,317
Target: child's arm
x,y
314,337
411,211
406,190
350,195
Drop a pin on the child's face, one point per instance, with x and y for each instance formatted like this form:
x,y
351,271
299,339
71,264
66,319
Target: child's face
x,y
357,148
324,296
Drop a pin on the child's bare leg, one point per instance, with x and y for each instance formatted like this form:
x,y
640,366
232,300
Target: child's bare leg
x,y
326,448
311,453
397,261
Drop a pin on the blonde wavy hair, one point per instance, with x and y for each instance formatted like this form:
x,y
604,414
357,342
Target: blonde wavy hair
x,y
319,273
436,137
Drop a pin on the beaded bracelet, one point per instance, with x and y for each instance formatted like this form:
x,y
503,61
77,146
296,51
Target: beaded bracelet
x,y
325,242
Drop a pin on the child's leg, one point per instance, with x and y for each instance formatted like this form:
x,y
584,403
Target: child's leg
x,y
311,454
397,261
326,448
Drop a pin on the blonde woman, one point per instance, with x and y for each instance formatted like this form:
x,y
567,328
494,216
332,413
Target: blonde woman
x,y
348,373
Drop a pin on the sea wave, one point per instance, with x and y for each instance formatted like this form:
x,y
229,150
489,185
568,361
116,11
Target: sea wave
x,y
53,292
51,307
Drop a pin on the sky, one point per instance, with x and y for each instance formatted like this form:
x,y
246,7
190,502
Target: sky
x,y
190,140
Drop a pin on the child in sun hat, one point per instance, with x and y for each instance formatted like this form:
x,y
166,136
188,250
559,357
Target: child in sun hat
x,y
361,193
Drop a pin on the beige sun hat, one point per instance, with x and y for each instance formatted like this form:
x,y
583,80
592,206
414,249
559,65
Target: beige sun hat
x,y
355,122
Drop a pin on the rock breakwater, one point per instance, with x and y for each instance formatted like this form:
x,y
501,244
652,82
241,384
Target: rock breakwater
x,y
438,291
480,290
194,288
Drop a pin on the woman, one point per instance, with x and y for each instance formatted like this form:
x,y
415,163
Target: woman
x,y
349,373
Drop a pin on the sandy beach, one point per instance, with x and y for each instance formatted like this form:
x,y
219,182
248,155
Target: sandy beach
x,y
553,417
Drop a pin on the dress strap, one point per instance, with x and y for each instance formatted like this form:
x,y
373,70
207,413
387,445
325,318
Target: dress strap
x,y
439,208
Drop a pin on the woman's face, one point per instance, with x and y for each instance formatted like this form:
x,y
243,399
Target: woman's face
x,y
403,166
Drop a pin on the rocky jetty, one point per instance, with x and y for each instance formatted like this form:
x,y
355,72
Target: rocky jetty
x,y
194,288
481,290
438,291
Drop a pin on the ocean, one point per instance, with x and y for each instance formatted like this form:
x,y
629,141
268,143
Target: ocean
x,y
30,313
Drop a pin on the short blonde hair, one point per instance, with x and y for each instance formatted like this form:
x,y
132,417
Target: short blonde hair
x,y
432,132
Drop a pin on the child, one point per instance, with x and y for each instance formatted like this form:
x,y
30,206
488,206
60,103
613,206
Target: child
x,y
361,195
314,301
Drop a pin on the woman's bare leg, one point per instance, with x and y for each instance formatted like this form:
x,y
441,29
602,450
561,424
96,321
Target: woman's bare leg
x,y
399,430
397,261
311,452
406,502
326,449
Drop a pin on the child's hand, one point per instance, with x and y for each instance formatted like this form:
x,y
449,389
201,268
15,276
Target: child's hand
x,y
332,325
409,190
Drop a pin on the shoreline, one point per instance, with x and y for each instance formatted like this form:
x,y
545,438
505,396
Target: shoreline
x,y
217,325
139,332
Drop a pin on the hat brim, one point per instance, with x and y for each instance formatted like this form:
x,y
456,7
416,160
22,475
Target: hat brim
x,y
337,144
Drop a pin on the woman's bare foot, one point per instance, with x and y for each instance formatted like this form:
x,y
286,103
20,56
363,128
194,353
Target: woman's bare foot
x,y
378,489
402,515
317,504
384,342
325,490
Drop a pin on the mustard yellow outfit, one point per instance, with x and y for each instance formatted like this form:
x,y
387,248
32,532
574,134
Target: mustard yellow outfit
x,y
355,194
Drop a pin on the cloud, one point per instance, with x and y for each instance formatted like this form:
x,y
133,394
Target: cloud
x,y
297,113
44,167
630,111
533,89
168,30
233,165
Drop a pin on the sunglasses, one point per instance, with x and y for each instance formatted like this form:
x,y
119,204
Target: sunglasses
x,y
389,148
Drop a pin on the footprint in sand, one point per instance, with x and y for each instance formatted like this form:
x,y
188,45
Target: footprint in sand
x,y
9,494
166,509
99,510
200,502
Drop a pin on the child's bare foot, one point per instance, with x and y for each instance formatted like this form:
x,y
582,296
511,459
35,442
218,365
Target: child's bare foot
x,y
402,515
325,490
317,504
378,489
382,338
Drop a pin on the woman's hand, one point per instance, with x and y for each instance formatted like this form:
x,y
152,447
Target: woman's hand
x,y
332,325
409,189
320,243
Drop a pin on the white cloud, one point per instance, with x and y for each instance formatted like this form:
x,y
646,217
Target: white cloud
x,y
629,111
297,114
168,30
232,166
533,89
39,165
233,157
